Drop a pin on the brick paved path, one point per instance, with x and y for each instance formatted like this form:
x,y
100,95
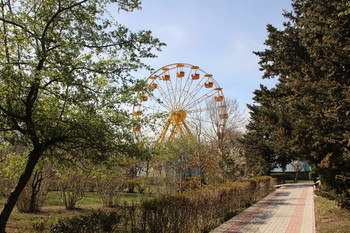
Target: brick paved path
x,y
290,209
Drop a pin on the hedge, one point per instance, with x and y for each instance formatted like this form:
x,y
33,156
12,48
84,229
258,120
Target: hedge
x,y
195,211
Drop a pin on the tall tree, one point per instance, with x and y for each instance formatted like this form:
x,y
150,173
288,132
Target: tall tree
x,y
258,150
311,101
64,72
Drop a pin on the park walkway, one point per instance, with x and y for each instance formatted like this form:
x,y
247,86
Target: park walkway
x,y
288,209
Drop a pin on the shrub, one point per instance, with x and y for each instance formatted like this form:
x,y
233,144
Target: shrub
x,y
6,186
280,177
202,210
39,225
169,214
72,188
34,194
193,211
342,200
108,190
97,221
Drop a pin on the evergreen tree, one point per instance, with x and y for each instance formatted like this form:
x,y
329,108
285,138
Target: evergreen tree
x,y
256,142
310,104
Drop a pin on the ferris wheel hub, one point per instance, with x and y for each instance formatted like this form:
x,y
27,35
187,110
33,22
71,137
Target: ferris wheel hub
x,y
178,116
178,97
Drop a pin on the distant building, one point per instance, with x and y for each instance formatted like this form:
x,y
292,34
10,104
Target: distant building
x,y
291,174
289,168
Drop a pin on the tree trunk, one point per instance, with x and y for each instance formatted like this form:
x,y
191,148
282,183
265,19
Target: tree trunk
x,y
22,182
36,188
296,176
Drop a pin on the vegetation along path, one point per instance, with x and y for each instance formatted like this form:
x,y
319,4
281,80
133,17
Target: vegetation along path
x,y
288,209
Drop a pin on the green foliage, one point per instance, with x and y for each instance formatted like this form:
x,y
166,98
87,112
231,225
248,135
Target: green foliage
x,y
137,183
11,165
97,221
12,162
78,72
306,115
64,77
342,200
192,211
280,177
183,157
72,187
202,210
110,181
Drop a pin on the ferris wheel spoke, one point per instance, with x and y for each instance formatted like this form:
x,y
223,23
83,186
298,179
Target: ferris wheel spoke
x,y
181,99
199,86
179,90
159,102
173,91
163,95
178,86
186,90
200,110
195,100
157,108
176,105
186,87
168,94
193,119
200,99
195,91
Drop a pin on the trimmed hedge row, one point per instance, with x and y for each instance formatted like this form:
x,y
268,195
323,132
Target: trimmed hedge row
x,y
196,211
202,210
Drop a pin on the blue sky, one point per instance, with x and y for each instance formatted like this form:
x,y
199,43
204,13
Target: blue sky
x,y
219,36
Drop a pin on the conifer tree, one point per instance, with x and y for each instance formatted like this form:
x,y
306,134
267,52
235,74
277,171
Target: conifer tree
x,y
308,116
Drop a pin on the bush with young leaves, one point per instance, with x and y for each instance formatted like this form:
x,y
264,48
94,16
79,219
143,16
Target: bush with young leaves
x,y
97,221
109,184
72,187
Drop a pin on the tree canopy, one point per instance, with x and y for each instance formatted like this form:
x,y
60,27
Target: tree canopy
x,y
64,73
306,115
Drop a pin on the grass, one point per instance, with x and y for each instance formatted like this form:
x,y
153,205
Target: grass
x,y
330,218
298,181
53,209
91,198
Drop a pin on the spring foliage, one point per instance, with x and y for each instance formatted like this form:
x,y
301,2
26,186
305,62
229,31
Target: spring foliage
x,y
64,73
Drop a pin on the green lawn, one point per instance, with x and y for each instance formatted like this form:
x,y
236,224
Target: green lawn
x,y
91,199
298,181
53,209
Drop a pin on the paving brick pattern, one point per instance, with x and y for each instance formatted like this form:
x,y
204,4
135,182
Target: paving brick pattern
x,y
290,209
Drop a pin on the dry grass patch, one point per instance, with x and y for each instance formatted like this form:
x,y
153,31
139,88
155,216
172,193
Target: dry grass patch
x,y
330,218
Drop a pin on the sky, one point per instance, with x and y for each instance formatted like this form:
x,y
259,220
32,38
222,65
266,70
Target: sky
x,y
219,36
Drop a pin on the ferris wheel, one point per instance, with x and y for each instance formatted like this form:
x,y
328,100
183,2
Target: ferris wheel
x,y
177,95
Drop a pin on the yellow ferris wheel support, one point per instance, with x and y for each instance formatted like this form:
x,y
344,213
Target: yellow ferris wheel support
x,y
177,120
177,96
